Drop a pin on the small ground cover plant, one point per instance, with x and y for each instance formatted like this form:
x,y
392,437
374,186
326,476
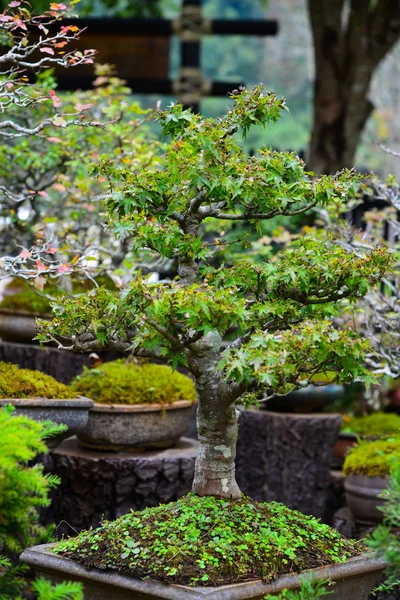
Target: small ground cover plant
x,y
125,382
210,541
25,383
372,458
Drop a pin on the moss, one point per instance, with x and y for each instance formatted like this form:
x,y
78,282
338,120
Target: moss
x,y
24,383
119,382
210,541
27,299
372,458
375,424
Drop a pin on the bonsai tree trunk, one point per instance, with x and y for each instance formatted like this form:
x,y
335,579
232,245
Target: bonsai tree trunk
x,y
350,39
217,424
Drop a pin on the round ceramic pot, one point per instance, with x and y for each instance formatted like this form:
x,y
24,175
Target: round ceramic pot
x,y
342,445
307,400
17,325
74,413
121,427
362,495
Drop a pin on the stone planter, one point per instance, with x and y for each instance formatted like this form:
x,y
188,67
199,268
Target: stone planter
x,y
354,580
74,413
17,325
120,427
308,400
362,494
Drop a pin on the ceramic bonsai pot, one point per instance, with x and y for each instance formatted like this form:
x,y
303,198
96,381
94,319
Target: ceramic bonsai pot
x,y
362,494
354,580
308,400
74,413
121,427
17,325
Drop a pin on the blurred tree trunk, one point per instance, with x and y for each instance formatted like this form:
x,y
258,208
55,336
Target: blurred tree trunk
x,y
351,37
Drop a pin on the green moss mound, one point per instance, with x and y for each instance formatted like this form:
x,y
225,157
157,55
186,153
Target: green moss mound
x,y
375,424
372,458
119,382
210,541
24,383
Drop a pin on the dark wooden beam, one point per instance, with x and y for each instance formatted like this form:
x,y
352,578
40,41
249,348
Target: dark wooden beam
x,y
165,27
143,85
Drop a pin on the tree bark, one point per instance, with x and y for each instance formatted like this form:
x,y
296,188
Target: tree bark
x,y
348,47
217,424
217,428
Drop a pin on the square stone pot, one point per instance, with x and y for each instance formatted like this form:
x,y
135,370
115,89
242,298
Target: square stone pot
x,y
353,581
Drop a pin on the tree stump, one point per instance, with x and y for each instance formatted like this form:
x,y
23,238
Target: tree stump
x,y
97,485
287,458
62,365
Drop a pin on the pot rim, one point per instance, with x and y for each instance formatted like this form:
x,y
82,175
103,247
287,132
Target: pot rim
x,y
40,402
132,408
24,313
41,556
361,477
314,415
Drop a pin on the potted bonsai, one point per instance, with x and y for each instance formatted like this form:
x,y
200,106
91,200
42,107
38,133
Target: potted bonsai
x,y
136,405
22,304
18,311
41,397
374,425
367,469
282,311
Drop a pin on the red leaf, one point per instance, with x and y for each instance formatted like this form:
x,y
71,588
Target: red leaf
x,y
51,250
47,50
39,282
40,265
56,100
19,23
25,253
64,268
80,107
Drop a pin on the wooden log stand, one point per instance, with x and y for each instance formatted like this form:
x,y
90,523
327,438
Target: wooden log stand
x,y
287,458
62,365
97,485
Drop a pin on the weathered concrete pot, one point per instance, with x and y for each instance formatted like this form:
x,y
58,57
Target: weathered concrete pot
x,y
121,427
74,413
17,325
307,400
362,495
354,580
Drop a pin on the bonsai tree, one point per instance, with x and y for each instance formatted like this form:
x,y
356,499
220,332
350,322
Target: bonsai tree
x,y
277,314
376,316
51,142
